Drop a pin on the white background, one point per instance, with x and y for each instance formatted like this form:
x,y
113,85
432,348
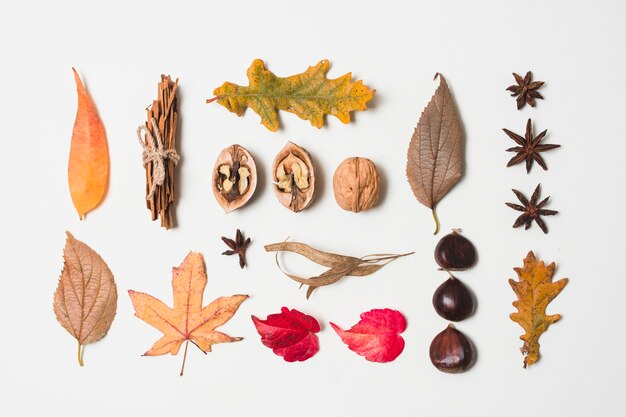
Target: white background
x,y
120,52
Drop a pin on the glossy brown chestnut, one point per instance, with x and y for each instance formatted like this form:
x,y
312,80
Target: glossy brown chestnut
x,y
452,352
453,300
455,253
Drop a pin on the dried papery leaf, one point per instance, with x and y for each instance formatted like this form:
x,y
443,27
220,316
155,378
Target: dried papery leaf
x,y
339,265
85,300
188,320
376,336
317,256
309,95
534,290
435,155
290,334
88,167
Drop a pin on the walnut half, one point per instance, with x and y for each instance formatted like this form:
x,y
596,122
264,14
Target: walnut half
x,y
294,177
234,178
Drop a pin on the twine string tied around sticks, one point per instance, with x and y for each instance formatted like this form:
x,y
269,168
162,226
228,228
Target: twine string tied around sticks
x,y
153,152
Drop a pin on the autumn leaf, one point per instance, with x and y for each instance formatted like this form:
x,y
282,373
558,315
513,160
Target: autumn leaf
x,y
188,321
435,155
376,336
290,334
88,168
339,266
85,300
534,291
309,95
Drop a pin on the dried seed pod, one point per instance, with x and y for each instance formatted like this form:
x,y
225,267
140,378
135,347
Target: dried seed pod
x,y
293,175
452,352
453,300
356,184
234,178
455,252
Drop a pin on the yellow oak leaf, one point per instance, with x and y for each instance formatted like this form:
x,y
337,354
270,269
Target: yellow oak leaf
x,y
309,95
534,290
188,321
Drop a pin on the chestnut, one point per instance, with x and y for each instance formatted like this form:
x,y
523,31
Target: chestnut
x,y
452,352
455,252
453,301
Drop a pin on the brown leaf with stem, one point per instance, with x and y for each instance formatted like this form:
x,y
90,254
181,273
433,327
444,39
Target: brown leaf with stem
x,y
534,290
187,321
339,265
435,155
85,300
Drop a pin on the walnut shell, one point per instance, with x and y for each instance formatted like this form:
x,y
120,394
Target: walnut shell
x,y
356,184
234,178
293,176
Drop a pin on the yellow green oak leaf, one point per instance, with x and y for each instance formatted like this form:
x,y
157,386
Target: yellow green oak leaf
x,y
309,95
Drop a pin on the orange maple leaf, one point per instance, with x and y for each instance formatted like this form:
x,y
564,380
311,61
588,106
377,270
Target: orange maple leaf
x,y
534,291
188,320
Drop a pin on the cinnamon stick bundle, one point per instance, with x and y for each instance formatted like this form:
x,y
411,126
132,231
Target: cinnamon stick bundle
x,y
160,155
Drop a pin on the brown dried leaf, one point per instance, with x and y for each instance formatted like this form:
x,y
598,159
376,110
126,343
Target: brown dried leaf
x,y
317,256
339,265
435,155
85,300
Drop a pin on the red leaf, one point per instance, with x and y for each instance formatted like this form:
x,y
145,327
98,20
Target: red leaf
x,y
289,334
376,336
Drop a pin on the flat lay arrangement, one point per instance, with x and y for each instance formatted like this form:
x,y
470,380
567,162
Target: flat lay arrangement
x,y
312,208
85,301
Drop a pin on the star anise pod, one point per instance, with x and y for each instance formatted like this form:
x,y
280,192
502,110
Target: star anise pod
x,y
525,90
531,210
238,247
529,148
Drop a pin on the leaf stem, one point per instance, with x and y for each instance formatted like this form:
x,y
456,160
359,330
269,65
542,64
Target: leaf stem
x,y
436,221
182,369
385,257
81,350
211,100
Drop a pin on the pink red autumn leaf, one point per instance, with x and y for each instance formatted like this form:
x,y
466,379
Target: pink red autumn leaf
x,y
376,336
290,334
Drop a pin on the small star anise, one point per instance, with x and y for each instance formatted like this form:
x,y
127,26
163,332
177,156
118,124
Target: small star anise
x,y
531,210
525,90
529,147
237,246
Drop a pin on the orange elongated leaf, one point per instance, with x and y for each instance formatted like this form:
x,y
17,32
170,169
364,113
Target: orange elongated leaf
x,y
534,290
309,95
187,321
435,155
85,300
88,168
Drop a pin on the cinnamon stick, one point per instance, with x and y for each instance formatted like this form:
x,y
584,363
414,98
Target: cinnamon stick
x,y
164,110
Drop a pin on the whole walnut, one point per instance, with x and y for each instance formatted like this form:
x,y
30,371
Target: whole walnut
x,y
356,184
